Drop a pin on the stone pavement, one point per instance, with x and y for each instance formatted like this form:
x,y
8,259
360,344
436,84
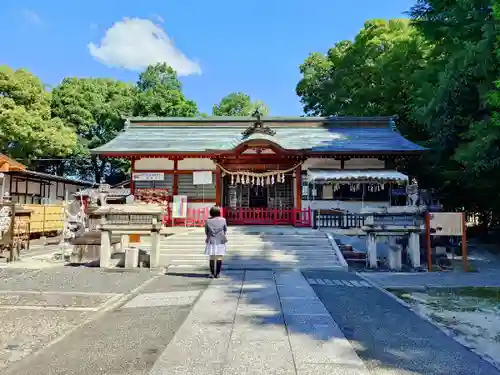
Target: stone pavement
x,y
390,338
434,279
253,323
65,320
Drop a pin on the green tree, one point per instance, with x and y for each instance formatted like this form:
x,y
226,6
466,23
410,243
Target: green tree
x,y
370,76
238,104
95,108
454,99
159,93
27,130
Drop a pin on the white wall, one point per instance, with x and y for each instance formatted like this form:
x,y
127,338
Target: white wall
x,y
154,164
325,163
196,164
364,163
200,164
354,207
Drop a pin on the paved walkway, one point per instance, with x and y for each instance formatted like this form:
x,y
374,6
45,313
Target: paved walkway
x,y
83,321
238,327
434,279
390,338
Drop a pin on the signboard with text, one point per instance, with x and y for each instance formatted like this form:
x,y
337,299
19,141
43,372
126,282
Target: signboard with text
x,y
446,223
202,178
148,176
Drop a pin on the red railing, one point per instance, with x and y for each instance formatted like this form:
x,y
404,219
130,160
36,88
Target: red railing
x,y
268,216
245,216
195,217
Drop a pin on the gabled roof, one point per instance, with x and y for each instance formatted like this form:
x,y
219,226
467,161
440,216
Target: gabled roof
x,y
312,134
8,164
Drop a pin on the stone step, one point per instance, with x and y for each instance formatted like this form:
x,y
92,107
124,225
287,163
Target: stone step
x,y
258,265
275,257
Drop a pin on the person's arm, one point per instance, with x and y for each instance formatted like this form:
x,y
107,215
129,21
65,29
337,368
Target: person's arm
x,y
206,228
225,226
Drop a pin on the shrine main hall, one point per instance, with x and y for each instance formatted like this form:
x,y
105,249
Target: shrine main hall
x,y
253,165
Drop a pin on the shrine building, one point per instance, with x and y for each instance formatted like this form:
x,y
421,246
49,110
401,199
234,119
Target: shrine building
x,y
266,170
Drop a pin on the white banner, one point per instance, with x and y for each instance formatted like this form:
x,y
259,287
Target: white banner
x,y
202,178
179,206
148,176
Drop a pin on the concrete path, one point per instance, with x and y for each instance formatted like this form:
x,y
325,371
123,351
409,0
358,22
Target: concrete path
x,y
83,321
433,279
253,323
389,338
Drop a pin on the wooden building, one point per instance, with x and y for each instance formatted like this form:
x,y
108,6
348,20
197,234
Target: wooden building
x,y
265,170
30,187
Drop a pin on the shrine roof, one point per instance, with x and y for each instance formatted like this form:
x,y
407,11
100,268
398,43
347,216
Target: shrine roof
x,y
206,134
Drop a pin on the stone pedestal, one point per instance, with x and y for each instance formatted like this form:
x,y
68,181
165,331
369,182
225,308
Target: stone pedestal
x,y
371,257
131,257
414,249
394,258
124,241
105,254
154,257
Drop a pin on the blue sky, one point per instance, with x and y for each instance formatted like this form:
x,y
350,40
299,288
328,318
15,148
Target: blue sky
x,y
217,46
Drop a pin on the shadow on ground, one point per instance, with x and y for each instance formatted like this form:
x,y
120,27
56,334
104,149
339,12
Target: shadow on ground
x,y
386,335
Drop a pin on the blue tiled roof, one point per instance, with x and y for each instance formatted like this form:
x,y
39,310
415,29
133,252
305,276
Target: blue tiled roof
x,y
327,136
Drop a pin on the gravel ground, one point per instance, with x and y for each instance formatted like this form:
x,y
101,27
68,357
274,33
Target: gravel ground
x,y
126,340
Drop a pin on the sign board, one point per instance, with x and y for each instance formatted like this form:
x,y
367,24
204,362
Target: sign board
x,y
446,223
148,176
202,178
179,206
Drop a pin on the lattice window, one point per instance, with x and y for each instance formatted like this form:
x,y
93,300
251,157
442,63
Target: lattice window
x,y
186,187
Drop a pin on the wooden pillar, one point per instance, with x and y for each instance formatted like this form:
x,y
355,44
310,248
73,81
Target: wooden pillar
x,y
298,188
218,186
175,182
132,170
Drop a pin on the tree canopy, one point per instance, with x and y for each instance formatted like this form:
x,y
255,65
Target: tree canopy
x,y
238,104
27,129
438,71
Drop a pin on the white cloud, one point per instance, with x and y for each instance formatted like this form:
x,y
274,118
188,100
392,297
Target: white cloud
x,y
31,16
158,18
136,43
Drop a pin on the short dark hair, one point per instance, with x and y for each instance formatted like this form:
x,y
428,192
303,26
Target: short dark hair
x,y
214,211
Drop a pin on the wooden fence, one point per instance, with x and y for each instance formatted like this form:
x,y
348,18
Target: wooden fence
x,y
46,218
328,219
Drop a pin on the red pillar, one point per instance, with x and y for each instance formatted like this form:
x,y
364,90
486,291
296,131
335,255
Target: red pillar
x,y
298,188
218,186
132,170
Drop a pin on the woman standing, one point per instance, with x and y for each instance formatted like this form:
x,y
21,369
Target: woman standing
x,y
215,243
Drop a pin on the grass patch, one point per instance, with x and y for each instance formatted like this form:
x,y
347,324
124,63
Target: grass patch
x,y
490,293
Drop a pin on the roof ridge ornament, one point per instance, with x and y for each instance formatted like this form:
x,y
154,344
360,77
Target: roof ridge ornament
x,y
258,126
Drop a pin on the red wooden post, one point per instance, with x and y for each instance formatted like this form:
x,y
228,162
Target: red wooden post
x,y
298,187
218,186
465,257
275,216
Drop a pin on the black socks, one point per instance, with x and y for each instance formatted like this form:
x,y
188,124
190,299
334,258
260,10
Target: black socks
x,y
219,266
212,267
